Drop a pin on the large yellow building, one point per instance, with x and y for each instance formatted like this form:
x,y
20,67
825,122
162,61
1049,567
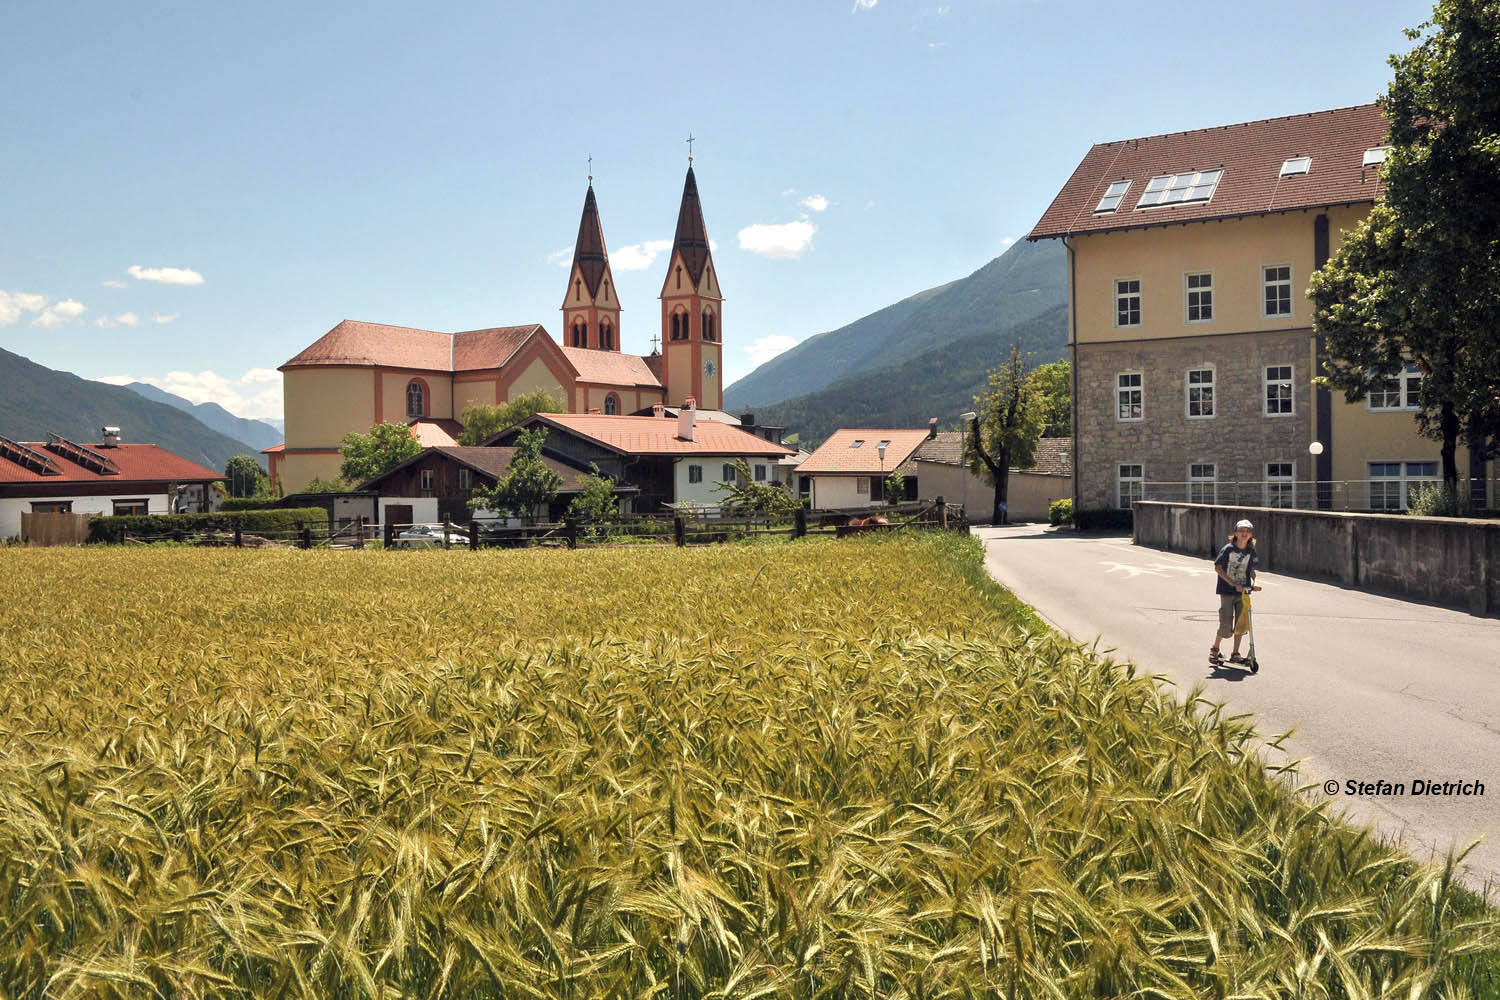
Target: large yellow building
x,y
1190,328
360,374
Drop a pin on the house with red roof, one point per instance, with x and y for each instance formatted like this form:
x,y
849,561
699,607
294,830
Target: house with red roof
x,y
359,374
679,460
59,476
1192,341
851,467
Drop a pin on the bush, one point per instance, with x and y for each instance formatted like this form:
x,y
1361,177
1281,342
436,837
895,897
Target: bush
x,y
232,504
258,522
1060,511
1437,500
1104,519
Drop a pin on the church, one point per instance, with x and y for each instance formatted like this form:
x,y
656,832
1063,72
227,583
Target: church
x,y
360,374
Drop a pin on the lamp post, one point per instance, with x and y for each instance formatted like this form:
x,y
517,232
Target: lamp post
x,y
880,449
1315,449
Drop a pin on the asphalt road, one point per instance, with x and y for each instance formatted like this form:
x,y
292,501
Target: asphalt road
x,y
1376,688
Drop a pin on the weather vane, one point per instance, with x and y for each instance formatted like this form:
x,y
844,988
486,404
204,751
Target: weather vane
x,y
591,168
690,147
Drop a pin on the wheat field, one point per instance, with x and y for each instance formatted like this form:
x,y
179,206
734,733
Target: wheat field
x,y
822,769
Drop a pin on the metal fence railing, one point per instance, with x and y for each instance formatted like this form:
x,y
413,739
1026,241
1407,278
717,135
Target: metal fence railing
x,y
1391,495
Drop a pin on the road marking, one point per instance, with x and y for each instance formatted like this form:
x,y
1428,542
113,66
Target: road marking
x,y
1161,569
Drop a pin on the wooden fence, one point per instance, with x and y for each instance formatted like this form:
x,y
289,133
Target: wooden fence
x,y
54,529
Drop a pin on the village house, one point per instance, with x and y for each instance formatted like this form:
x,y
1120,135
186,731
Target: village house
x,y
59,476
940,467
360,374
1190,329
850,469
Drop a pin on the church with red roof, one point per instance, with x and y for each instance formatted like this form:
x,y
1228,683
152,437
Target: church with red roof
x,y
359,374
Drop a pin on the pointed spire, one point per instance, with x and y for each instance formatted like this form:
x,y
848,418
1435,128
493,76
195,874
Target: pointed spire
x,y
692,234
589,255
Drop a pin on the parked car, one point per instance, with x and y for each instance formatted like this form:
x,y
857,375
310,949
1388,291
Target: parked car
x,y
429,536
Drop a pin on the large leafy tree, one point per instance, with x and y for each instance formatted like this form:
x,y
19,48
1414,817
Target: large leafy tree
x,y
244,477
376,453
483,421
1054,385
1009,417
528,482
1418,281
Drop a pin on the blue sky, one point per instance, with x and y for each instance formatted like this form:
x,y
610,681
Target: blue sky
x,y
195,192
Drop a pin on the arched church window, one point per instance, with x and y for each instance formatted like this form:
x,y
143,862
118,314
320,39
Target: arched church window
x,y
573,335
607,335
709,333
416,400
583,336
611,404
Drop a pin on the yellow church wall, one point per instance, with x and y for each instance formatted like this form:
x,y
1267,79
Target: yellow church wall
x,y
1233,250
536,376
298,469
472,393
324,404
393,385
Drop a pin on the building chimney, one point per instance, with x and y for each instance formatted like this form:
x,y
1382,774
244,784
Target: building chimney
x,y
932,429
687,419
594,409
111,436
747,419
657,409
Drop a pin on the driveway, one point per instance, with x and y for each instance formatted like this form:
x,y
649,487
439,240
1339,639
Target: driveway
x,y
1378,689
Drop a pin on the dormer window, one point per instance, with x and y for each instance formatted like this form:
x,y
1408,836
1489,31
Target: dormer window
x,y
1375,156
1113,196
857,443
1180,189
1296,165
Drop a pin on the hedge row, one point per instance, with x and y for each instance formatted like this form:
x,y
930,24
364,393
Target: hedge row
x,y
232,504
276,523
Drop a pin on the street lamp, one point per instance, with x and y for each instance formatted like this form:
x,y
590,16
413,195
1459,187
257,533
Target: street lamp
x,y
880,448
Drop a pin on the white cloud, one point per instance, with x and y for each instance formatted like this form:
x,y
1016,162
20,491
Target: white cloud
x,y
112,283
815,203
255,394
943,10
1007,241
766,348
124,319
638,256
164,320
788,192
779,241
562,258
59,313
12,304
166,275
864,4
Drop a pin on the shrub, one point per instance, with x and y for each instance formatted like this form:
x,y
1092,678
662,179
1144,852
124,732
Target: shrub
x,y
1438,500
261,522
1060,511
233,504
1104,519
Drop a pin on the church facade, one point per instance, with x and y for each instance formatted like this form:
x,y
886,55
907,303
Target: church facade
x,y
360,374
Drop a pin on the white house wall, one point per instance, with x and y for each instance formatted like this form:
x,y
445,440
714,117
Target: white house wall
x,y
424,510
11,509
833,492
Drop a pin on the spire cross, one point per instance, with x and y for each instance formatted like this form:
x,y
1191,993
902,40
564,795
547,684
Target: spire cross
x,y
690,147
655,340
591,168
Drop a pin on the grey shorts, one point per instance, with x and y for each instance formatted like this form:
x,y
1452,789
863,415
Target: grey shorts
x,y
1229,610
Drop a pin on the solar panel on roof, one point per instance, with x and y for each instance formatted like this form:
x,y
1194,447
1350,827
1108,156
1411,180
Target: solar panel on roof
x,y
86,457
28,457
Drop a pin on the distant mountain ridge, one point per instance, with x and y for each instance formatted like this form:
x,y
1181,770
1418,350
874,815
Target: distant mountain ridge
x,y
36,400
941,382
1024,282
257,433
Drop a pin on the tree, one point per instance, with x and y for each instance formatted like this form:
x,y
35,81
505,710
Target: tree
x,y
483,421
244,477
895,488
318,485
592,505
1418,281
1053,383
527,484
745,496
376,453
1008,421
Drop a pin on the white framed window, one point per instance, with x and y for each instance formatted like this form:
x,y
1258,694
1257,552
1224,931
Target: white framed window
x,y
1393,484
760,473
1130,485
726,473
1127,302
1203,482
427,480
1200,297
1113,196
1199,386
695,473
1180,189
1128,396
1296,165
1399,392
1375,156
1278,391
862,485
1276,282
465,478
1281,485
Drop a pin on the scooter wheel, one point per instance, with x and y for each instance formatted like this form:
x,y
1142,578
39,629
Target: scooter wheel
x,y
1255,666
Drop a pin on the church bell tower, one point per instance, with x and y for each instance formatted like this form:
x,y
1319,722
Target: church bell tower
x,y
591,306
691,311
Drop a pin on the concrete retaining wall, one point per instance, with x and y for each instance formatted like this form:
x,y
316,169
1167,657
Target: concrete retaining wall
x,y
1453,561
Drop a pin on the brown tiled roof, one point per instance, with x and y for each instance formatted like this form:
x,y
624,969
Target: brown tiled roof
x,y
432,433
692,235
658,435
589,255
1052,454
837,457
610,367
653,364
1250,154
476,350
356,343
494,462
137,463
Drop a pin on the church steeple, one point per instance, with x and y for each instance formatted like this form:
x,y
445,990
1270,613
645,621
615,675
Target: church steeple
x,y
691,310
591,306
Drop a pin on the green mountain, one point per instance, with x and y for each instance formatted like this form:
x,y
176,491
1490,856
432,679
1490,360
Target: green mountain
x,y
1024,282
257,433
35,400
940,382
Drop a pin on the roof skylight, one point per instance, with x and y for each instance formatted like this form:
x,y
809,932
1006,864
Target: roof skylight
x,y
1113,196
1296,165
856,442
1374,155
1180,189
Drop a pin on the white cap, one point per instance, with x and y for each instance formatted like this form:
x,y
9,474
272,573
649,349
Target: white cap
x,y
1243,524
